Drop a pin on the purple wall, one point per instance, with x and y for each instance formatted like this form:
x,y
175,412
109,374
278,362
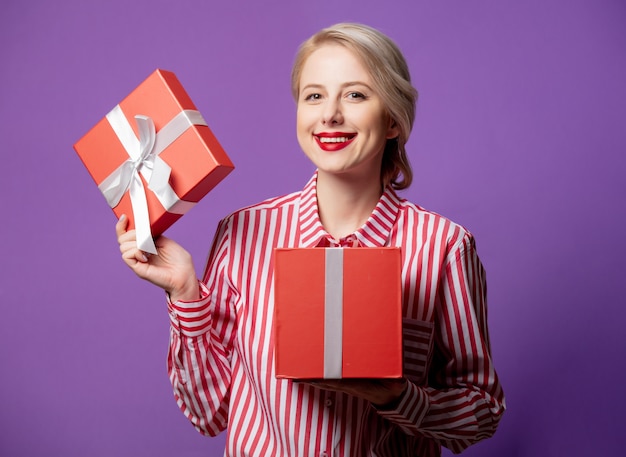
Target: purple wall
x,y
520,136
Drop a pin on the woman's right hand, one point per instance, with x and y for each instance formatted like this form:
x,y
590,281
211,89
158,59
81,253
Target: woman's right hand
x,y
172,269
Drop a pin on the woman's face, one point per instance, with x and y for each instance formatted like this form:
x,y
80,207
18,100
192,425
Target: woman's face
x,y
342,126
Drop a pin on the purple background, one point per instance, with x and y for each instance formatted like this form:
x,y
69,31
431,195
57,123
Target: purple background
x,y
520,136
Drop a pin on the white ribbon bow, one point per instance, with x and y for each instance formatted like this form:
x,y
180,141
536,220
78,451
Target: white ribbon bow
x,y
144,158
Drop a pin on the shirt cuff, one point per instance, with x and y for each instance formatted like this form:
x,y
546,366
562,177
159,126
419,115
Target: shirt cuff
x,y
191,318
410,410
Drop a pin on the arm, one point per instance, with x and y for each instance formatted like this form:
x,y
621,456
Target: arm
x,y
201,337
202,323
463,402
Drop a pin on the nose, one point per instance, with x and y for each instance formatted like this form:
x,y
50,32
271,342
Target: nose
x,y
331,114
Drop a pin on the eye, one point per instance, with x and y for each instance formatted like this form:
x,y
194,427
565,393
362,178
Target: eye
x,y
356,96
312,97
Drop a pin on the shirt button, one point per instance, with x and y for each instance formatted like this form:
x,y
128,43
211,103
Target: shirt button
x,y
324,454
329,402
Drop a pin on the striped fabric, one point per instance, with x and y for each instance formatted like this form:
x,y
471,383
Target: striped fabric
x,y
221,359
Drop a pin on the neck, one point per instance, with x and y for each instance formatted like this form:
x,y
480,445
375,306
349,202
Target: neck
x,y
345,203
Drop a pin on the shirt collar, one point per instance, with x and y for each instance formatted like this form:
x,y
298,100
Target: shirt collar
x,y
376,232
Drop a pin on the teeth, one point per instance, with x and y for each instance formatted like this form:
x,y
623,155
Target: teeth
x,y
341,139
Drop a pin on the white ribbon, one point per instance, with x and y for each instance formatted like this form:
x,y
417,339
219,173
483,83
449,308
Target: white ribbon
x,y
144,158
333,314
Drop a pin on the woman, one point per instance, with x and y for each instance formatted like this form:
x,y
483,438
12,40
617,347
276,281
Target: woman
x,y
355,110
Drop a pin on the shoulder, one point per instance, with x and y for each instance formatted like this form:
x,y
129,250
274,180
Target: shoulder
x,y
434,224
265,207
272,204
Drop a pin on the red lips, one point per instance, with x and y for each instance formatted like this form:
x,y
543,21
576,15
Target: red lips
x,y
334,141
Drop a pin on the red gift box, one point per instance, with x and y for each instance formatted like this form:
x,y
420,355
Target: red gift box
x,y
153,156
337,313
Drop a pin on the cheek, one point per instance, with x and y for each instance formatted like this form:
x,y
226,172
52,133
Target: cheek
x,y
299,119
300,128
302,131
303,117
305,124
371,119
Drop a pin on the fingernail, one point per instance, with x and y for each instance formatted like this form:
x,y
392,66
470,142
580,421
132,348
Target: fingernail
x,y
123,217
144,258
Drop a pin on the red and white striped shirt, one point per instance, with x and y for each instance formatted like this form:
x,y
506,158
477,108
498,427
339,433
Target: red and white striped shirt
x,y
221,359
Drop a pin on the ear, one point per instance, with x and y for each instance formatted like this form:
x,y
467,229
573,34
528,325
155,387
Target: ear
x,y
392,131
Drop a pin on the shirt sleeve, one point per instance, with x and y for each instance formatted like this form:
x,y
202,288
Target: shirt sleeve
x,y
463,400
201,336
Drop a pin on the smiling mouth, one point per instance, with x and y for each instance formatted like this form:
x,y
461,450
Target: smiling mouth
x,y
336,139
333,142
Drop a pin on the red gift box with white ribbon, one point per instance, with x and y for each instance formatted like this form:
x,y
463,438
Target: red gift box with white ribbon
x,y
337,313
153,156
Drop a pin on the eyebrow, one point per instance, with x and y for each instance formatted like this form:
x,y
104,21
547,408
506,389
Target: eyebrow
x,y
343,86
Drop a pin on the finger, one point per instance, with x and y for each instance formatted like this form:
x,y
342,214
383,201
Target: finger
x,y
128,246
121,225
130,251
141,256
129,237
134,256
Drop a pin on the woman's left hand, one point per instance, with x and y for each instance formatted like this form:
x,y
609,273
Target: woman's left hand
x,y
379,392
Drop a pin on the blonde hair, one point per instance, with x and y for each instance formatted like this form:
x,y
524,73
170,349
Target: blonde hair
x,y
390,74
